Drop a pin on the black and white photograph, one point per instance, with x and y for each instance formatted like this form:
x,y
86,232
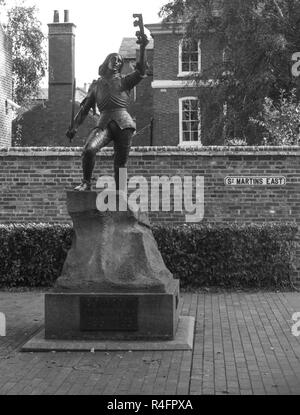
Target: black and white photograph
x,y
150,201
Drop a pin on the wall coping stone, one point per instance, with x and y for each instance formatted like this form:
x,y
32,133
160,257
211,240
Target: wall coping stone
x,y
157,151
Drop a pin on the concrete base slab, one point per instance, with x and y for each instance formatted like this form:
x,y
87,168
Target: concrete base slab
x,y
183,340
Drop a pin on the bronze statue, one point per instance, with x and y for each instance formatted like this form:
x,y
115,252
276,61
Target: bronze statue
x,y
111,95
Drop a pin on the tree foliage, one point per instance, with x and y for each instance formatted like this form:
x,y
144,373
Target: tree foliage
x,y
257,40
28,52
281,120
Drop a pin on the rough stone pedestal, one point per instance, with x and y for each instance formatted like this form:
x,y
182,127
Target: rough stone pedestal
x,y
114,283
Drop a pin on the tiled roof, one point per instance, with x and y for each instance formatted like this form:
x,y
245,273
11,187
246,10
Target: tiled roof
x,y
129,46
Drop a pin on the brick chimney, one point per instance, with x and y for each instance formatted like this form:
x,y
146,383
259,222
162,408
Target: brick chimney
x,y
61,60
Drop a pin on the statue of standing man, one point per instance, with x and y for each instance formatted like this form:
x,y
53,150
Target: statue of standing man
x,y
110,93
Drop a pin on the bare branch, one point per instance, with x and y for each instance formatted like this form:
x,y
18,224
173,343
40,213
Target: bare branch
x,y
278,9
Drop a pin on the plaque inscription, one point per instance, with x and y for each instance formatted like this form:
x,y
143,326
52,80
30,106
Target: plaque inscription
x,y
108,313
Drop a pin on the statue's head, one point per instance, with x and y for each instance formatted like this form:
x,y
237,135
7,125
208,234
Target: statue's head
x,y
113,64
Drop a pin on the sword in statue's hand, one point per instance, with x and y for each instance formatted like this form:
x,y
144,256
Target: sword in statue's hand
x,y
71,130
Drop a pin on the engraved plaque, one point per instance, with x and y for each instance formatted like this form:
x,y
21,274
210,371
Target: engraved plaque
x,y
108,313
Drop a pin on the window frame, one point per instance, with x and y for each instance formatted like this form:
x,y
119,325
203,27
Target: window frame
x,y
187,73
182,142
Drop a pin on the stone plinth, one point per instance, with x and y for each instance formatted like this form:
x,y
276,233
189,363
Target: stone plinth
x,y
114,284
134,316
111,251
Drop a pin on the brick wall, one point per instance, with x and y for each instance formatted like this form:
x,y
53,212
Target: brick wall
x,y
5,89
34,181
165,62
166,55
166,114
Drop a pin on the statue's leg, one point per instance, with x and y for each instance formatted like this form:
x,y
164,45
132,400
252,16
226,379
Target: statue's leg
x,y
96,140
122,143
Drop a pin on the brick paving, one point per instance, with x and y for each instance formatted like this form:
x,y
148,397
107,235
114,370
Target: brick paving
x,y
243,345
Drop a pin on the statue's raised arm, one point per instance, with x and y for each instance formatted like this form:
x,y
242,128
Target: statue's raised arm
x,y
143,41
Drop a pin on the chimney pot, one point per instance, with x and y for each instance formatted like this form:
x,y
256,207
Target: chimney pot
x,y
56,16
66,16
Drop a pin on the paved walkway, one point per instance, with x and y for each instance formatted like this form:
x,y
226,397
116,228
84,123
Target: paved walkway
x,y
243,345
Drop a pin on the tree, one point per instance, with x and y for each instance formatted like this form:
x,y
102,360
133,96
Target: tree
x,y
258,39
28,52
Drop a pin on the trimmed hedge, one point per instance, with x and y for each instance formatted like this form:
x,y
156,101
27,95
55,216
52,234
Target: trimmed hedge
x,y
247,256
32,255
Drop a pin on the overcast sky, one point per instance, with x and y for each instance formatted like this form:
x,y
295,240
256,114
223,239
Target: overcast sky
x,y
101,25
